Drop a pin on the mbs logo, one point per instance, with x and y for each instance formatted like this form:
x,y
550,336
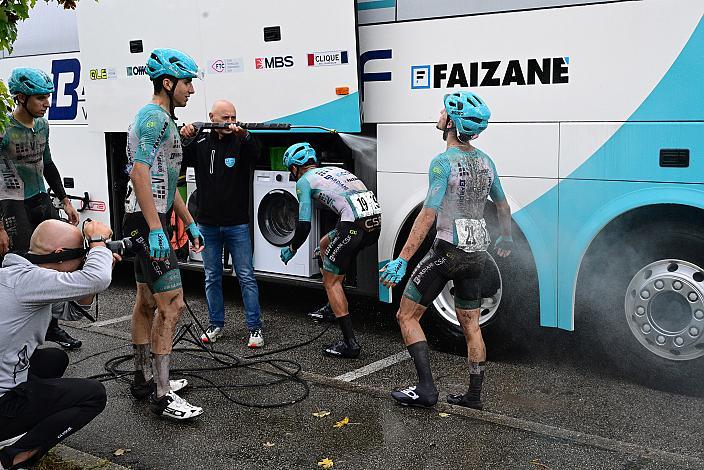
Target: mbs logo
x,y
65,101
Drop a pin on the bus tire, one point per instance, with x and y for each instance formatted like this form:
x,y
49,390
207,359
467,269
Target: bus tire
x,y
636,314
505,327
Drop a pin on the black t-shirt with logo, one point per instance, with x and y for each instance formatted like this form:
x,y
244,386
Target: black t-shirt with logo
x,y
223,167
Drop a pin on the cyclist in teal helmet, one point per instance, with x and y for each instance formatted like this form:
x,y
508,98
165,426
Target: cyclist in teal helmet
x,y
175,67
460,181
25,165
468,114
154,161
358,227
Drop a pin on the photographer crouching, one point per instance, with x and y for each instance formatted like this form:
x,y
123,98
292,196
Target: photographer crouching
x,y
39,408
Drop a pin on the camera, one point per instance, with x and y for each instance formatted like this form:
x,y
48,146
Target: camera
x,y
121,247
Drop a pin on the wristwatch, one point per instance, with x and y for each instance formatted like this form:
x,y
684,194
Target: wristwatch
x,y
96,239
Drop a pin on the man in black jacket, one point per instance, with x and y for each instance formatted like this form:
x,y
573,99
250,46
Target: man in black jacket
x,y
223,161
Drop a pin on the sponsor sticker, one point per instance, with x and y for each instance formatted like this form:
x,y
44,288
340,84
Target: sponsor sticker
x,y
97,206
225,65
136,70
274,62
102,74
492,73
420,76
327,58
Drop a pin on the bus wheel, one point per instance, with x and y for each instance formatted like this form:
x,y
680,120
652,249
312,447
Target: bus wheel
x,y
443,317
509,309
650,320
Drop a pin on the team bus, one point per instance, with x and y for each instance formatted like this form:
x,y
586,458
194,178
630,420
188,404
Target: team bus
x,y
596,131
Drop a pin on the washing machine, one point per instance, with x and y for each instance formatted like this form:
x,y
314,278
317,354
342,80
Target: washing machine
x,y
275,218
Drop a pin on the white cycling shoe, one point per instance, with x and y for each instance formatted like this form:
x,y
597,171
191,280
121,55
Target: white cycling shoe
x,y
175,407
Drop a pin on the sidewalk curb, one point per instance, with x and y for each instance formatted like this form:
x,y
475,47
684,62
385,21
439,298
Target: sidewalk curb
x,y
84,460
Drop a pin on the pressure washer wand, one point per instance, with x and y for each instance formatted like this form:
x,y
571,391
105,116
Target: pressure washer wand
x,y
253,126
259,126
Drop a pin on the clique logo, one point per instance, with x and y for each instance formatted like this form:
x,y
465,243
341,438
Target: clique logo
x,y
274,62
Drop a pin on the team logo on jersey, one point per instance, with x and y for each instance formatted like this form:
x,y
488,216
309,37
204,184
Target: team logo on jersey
x,y
321,59
230,162
544,71
274,62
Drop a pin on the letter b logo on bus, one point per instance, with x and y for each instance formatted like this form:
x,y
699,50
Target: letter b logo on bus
x,y
64,101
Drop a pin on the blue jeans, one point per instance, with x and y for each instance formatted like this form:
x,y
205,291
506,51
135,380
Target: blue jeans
x,y
236,238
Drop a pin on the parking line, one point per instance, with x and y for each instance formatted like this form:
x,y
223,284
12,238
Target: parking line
x,y
111,321
374,366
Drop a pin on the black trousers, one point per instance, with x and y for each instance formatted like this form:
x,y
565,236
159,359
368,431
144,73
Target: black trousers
x,y
47,408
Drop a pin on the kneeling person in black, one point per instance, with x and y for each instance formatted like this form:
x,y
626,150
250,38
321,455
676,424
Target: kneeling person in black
x,y
38,408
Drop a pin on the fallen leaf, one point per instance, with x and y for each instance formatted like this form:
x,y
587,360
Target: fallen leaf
x,y
345,421
321,414
268,444
539,464
443,415
326,463
119,452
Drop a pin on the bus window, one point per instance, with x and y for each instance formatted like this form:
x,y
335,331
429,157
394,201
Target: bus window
x,y
418,9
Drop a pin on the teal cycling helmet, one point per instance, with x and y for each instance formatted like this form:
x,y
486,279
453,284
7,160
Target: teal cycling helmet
x,y
172,63
468,112
30,82
299,155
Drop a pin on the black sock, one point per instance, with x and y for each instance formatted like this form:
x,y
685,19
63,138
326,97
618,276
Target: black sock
x,y
347,330
421,359
476,379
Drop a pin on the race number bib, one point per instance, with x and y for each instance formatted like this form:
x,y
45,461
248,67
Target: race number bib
x,y
364,204
472,235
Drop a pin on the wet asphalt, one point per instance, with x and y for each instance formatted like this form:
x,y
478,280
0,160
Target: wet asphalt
x,y
545,408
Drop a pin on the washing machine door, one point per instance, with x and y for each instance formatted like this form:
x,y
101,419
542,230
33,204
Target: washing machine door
x,y
277,216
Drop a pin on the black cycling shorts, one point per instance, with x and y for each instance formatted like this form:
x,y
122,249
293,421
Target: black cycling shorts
x,y
160,276
22,217
445,262
346,241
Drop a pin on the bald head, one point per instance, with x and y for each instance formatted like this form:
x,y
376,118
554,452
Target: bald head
x,y
223,111
223,107
51,235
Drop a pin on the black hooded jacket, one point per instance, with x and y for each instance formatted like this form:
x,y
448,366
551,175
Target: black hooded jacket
x,y
223,167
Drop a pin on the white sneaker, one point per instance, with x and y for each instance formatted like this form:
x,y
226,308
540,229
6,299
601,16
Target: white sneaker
x,y
10,441
178,384
211,334
256,339
173,406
